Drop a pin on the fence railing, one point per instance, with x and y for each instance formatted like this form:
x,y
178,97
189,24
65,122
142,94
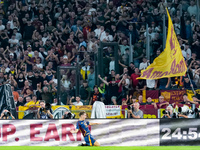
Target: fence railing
x,y
112,111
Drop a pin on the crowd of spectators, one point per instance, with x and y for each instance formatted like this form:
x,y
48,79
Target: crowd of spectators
x,y
37,36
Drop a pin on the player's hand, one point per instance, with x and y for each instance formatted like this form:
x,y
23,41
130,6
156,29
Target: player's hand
x,y
72,131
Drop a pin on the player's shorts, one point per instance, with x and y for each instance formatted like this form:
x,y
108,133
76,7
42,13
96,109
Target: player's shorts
x,y
89,140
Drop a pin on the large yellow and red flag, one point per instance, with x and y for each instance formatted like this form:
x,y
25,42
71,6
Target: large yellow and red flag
x,y
170,62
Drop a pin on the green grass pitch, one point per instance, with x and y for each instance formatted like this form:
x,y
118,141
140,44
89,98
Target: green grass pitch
x,y
100,148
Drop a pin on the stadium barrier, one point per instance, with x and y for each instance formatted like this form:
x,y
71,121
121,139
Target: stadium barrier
x,y
118,111
111,132
112,111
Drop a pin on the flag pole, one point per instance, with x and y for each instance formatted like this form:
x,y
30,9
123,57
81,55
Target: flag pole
x,y
164,31
147,42
191,83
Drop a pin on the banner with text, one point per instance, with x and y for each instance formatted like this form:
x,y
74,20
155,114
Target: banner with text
x,y
154,94
111,132
170,62
173,96
7,100
190,94
113,111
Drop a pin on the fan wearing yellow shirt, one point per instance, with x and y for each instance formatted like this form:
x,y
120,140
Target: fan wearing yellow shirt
x,y
32,103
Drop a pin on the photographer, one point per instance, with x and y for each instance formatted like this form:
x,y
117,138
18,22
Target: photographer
x,y
6,115
135,112
68,115
185,112
167,113
182,116
44,111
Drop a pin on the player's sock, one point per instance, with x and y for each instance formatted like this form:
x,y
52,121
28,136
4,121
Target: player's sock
x,y
82,144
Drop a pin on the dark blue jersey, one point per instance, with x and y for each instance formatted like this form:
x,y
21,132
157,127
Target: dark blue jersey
x,y
83,127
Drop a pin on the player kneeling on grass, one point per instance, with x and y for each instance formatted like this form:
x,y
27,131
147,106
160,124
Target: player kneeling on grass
x,y
82,125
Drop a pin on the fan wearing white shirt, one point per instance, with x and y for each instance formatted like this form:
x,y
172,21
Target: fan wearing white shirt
x,y
112,65
127,81
55,102
151,84
144,64
2,27
13,41
18,35
30,52
107,37
97,31
39,64
92,9
78,101
44,38
10,21
65,82
188,51
192,9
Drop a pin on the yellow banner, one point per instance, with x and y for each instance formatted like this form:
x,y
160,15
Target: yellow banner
x,y
170,62
190,93
21,110
86,108
59,106
58,111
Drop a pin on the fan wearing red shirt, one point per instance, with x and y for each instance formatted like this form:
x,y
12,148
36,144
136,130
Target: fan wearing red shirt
x,y
134,77
162,103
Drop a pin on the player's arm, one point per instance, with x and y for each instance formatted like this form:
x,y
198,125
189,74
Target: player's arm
x,y
94,124
74,131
